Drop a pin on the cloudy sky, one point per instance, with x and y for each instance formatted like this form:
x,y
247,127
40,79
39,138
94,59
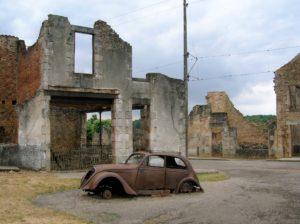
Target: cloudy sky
x,y
215,27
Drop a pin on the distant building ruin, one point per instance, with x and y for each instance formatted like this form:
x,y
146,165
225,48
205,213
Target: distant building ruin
x,y
44,102
287,89
219,129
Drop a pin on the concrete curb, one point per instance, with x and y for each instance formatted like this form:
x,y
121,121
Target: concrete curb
x,y
9,168
199,158
206,171
283,160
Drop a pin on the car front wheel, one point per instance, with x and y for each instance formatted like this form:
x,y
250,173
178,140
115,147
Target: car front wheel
x,y
186,187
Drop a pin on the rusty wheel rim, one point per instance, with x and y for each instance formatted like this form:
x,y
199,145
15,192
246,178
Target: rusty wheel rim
x,y
106,194
186,188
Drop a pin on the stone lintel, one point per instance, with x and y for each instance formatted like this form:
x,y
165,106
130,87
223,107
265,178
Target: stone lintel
x,y
82,29
82,92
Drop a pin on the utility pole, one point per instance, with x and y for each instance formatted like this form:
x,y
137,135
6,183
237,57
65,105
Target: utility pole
x,y
185,75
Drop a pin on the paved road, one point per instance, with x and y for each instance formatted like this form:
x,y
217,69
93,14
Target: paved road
x,y
257,192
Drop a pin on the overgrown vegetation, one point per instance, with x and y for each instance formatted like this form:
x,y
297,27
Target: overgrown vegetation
x,y
93,125
218,176
260,118
19,189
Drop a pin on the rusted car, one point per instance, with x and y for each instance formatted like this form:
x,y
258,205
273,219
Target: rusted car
x,y
141,174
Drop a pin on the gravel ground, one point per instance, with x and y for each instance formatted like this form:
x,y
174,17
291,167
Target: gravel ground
x,y
257,192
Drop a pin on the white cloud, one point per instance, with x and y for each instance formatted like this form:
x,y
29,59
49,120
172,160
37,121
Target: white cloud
x,y
214,27
257,99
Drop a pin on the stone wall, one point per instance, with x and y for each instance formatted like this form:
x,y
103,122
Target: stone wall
x,y
45,72
8,88
287,89
219,129
167,126
248,133
66,126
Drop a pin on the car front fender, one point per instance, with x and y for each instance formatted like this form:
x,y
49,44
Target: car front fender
x,y
98,177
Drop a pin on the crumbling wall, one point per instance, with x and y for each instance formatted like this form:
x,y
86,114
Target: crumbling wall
x,y
199,132
167,114
287,81
219,129
46,71
8,91
29,72
66,127
249,134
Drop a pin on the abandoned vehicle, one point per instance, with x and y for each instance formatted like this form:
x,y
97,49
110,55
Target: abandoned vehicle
x,y
45,100
141,174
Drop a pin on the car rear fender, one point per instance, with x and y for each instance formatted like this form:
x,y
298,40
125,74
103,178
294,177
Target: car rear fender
x,y
188,179
97,178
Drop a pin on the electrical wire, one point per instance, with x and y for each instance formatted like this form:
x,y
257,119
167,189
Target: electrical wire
x,y
137,10
247,52
195,78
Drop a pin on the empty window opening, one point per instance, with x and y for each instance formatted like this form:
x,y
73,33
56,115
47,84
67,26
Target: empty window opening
x,y
14,102
140,128
83,53
98,128
3,101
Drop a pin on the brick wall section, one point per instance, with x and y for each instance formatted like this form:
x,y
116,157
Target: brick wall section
x,y
8,76
66,128
288,118
29,78
249,134
19,80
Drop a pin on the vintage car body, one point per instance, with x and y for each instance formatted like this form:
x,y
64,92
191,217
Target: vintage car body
x,y
142,173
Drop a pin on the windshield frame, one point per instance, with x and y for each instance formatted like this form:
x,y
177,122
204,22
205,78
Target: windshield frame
x,y
133,154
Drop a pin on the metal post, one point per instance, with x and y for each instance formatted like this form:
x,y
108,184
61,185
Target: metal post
x,y
186,75
100,134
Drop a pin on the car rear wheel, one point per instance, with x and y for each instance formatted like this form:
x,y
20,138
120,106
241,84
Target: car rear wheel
x,y
186,187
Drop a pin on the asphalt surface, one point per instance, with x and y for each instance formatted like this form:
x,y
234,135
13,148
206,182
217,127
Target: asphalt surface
x,y
257,192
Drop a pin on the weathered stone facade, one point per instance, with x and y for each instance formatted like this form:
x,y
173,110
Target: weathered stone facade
x,y
287,89
44,102
219,129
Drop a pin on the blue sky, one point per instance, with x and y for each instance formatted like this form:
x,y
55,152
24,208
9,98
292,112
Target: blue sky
x,y
214,27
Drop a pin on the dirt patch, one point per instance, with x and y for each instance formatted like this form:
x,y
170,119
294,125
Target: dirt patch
x,y
17,191
257,192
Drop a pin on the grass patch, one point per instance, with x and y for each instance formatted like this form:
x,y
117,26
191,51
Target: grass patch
x,y
19,189
208,177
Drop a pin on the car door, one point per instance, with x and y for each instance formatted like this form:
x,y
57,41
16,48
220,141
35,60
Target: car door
x,y
151,174
176,170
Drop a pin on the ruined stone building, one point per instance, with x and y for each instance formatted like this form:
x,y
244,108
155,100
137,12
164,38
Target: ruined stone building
x,y
287,89
44,102
219,129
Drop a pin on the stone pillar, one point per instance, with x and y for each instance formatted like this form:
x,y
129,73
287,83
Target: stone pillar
x,y
83,130
145,126
122,145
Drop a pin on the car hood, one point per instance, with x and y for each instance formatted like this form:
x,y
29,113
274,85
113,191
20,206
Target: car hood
x,y
113,167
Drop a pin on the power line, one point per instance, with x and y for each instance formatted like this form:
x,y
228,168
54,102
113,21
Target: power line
x,y
152,14
222,55
148,15
137,10
247,52
195,78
